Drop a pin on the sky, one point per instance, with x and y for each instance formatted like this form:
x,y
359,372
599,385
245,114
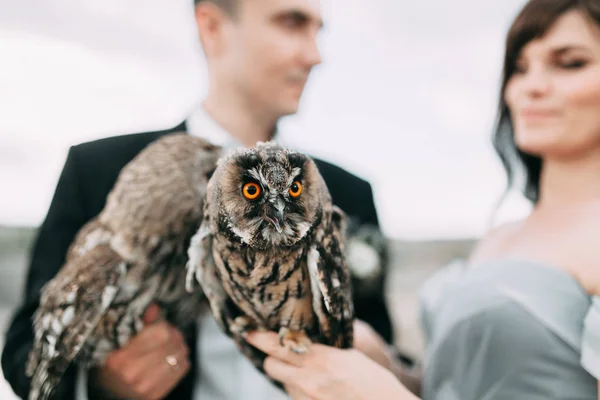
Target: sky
x,y
406,98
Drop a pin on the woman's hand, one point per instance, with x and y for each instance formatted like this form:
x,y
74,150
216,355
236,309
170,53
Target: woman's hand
x,y
327,373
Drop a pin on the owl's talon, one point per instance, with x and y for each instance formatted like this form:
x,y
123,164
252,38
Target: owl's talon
x,y
296,341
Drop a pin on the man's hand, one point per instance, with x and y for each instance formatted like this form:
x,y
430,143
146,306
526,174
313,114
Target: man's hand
x,y
142,369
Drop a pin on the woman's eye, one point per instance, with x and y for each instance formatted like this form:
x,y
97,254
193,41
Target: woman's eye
x,y
573,64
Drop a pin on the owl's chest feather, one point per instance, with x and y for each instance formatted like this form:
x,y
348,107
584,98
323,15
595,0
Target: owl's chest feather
x,y
275,285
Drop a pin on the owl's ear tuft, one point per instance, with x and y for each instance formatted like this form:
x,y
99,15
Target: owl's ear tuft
x,y
297,160
249,161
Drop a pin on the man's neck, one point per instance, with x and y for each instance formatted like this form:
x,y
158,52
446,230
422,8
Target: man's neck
x,y
245,123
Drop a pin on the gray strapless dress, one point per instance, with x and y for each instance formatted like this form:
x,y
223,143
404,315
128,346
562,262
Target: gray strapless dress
x,y
509,329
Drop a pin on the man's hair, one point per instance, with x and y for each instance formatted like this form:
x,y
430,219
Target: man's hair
x,y
229,6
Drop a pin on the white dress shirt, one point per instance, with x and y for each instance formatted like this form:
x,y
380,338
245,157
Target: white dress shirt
x,y
224,373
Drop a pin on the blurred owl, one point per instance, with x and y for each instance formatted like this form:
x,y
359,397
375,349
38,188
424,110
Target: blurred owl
x,y
133,253
270,252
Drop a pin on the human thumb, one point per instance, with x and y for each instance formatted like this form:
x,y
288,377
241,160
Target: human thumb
x,y
152,314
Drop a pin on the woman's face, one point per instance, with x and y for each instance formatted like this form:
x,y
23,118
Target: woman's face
x,y
554,94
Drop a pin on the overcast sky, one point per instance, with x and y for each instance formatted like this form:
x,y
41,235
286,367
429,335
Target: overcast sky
x,y
406,98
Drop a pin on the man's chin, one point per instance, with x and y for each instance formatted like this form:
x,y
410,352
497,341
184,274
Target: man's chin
x,y
286,111
289,106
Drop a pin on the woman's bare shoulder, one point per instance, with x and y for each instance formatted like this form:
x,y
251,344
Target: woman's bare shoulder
x,y
494,241
587,252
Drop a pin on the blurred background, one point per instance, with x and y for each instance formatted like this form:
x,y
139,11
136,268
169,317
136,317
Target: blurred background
x,y
405,98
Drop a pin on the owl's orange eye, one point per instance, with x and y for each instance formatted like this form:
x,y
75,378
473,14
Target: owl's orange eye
x,y
251,190
296,189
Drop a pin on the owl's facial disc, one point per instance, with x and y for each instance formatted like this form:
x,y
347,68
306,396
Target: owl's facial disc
x,y
279,197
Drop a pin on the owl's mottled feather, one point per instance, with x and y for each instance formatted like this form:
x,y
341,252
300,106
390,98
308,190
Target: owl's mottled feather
x,y
273,260
133,253
328,270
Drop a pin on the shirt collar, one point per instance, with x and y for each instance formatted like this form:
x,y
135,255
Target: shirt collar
x,y
201,124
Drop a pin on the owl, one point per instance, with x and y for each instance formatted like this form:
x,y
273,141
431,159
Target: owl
x,y
133,253
269,253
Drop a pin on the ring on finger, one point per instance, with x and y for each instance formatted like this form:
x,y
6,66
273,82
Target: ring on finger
x,y
172,361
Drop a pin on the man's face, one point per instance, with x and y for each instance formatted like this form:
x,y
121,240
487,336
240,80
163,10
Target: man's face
x,y
270,49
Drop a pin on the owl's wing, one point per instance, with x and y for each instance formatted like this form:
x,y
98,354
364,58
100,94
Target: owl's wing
x,y
201,266
70,308
330,283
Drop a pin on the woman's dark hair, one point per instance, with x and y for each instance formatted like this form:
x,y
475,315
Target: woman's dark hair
x,y
534,20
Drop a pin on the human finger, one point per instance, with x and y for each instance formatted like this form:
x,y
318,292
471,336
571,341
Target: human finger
x,y
281,371
167,373
151,338
296,393
152,314
269,343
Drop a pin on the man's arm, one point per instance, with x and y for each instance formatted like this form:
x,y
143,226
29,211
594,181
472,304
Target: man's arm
x,y
65,217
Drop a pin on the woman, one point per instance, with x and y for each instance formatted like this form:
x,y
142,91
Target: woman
x,y
521,318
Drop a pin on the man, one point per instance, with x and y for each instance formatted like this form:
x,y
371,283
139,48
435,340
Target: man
x,y
259,55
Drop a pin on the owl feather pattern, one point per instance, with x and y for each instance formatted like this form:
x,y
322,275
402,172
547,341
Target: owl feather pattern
x,y
270,252
133,253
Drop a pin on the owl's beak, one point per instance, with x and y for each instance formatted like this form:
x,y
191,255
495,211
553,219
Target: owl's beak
x,y
277,222
276,215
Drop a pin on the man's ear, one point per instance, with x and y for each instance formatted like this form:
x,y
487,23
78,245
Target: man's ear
x,y
211,21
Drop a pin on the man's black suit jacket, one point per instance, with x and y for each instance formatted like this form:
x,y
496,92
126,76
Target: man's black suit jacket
x,y
87,177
